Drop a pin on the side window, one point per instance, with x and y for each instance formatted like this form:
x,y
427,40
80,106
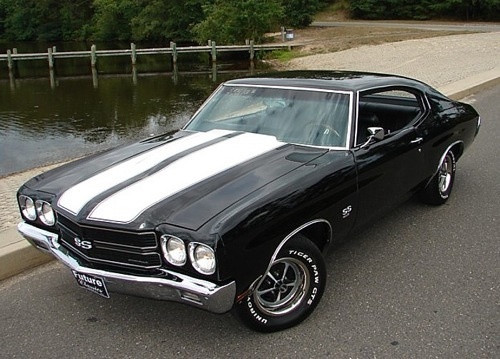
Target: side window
x,y
391,109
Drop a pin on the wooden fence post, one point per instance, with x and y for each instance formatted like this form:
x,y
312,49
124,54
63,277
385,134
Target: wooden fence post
x,y
133,55
173,46
93,56
50,58
252,51
214,51
10,64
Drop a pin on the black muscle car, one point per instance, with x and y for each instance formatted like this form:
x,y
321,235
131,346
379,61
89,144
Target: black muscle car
x,y
236,210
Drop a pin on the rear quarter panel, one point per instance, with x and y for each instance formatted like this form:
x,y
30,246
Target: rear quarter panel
x,y
451,124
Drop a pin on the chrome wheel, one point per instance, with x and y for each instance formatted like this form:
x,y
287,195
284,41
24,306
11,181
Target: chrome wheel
x,y
288,291
445,174
439,188
283,288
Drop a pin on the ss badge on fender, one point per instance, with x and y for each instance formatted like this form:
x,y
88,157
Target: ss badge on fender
x,y
346,211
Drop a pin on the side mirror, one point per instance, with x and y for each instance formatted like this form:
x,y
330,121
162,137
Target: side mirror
x,y
374,133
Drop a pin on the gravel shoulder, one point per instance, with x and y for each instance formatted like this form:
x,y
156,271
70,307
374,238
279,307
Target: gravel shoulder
x,y
438,61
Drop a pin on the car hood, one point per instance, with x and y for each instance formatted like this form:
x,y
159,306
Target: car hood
x,y
183,180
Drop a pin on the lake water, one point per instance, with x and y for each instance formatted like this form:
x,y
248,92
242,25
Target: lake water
x,y
44,120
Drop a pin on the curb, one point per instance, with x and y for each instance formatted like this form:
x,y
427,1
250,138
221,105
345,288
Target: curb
x,y
19,255
466,87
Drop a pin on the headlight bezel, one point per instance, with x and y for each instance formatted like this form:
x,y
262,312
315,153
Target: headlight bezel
x,y
37,207
46,217
197,262
170,254
28,211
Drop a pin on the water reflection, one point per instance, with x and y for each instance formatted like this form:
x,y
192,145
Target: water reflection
x,y
52,119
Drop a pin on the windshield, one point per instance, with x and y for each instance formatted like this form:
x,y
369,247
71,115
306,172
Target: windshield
x,y
302,116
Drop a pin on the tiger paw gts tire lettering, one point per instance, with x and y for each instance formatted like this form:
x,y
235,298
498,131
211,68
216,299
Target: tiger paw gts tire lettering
x,y
290,290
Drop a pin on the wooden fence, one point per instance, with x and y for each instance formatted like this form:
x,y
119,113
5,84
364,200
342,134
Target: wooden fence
x,y
93,54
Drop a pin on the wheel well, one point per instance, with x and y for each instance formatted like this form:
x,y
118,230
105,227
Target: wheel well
x,y
458,150
320,233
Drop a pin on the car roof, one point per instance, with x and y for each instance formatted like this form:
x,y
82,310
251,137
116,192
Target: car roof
x,y
330,80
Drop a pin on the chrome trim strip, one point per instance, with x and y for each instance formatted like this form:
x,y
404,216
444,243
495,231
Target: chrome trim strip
x,y
315,89
441,160
282,243
294,232
173,287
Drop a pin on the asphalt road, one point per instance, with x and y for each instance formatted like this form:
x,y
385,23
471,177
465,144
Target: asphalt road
x,y
422,282
421,25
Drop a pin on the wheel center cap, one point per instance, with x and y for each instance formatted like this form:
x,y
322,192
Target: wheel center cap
x,y
281,287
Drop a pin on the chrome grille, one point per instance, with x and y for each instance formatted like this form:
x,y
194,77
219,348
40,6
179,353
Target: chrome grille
x,y
98,245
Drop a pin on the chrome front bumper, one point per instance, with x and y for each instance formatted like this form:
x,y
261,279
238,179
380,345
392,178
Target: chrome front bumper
x,y
173,287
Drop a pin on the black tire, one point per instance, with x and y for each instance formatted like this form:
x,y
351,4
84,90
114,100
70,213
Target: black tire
x,y
288,293
439,188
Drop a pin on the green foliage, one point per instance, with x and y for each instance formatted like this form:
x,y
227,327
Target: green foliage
x,y
468,9
20,20
43,19
113,19
233,21
425,9
172,19
389,9
282,55
299,13
224,21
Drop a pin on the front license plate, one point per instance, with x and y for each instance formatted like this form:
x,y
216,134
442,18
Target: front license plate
x,y
92,283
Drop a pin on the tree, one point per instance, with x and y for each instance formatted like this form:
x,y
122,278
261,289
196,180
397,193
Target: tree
x,y
25,20
113,18
75,17
469,9
167,20
21,19
299,13
233,21
425,9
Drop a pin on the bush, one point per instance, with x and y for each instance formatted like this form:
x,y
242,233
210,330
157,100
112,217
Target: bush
x,y
234,21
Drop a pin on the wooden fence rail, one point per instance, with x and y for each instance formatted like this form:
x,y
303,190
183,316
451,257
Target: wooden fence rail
x,y
93,54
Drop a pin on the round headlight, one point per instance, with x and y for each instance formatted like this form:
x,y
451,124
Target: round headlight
x,y
45,213
202,257
27,207
174,250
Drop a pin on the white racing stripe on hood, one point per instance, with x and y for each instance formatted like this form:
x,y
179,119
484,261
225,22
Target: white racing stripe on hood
x,y
127,204
75,198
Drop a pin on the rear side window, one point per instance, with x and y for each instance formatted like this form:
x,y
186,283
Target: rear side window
x,y
391,109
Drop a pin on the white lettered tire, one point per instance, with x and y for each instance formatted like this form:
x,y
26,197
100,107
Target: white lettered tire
x,y
439,188
290,290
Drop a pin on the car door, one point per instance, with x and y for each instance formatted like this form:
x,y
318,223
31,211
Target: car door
x,y
390,169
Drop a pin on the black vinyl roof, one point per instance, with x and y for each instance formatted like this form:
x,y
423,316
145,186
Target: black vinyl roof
x,y
331,80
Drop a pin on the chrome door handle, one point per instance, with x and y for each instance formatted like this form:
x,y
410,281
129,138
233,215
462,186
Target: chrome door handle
x,y
417,140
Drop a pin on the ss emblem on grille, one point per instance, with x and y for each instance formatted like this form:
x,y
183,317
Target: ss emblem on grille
x,y
82,244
